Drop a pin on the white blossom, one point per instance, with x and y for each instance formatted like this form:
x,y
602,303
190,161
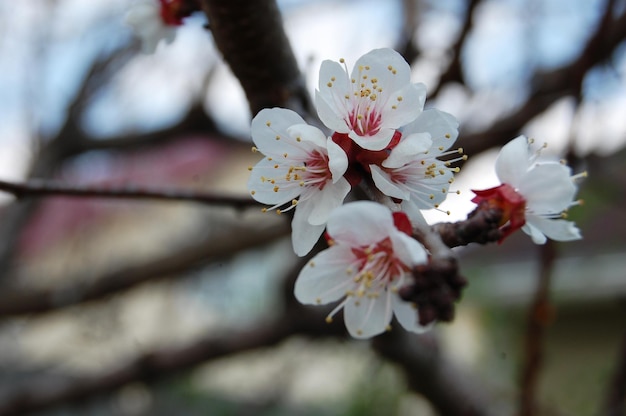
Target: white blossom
x,y
373,101
367,262
548,188
302,167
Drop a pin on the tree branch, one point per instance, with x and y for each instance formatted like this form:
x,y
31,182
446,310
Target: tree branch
x,y
237,238
548,87
451,392
41,188
540,316
251,37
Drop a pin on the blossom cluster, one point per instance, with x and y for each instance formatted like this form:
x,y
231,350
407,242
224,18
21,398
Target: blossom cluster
x,y
381,136
378,135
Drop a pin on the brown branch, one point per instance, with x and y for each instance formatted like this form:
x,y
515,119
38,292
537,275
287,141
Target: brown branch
x,y
251,37
237,238
615,404
450,391
454,72
481,226
540,316
42,393
41,188
548,87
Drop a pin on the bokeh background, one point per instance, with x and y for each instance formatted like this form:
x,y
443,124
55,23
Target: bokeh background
x,y
114,307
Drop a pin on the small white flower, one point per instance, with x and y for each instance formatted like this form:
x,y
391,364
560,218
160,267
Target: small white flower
x,y
548,188
371,103
413,171
146,20
300,162
367,262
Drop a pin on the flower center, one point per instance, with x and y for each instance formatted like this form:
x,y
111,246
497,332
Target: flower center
x,y
377,267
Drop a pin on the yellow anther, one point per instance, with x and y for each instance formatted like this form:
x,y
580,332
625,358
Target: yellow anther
x,y
329,320
254,149
252,192
318,300
447,135
312,264
330,84
276,188
388,328
277,137
250,168
294,202
268,123
399,98
285,155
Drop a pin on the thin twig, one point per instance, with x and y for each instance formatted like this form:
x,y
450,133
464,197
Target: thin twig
x,y
540,316
615,404
41,188
231,241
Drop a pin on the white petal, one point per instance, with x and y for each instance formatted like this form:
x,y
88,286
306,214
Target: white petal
x,y
547,188
360,223
304,235
365,317
327,200
330,102
403,106
413,212
377,141
407,249
264,135
409,147
443,128
407,315
307,133
260,183
534,233
324,278
383,182
554,229
337,160
513,161
379,61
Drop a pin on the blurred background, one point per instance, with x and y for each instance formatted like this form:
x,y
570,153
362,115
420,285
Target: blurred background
x,y
117,307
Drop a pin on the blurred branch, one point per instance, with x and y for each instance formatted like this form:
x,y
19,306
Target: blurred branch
x,y
251,37
429,372
406,44
615,404
44,393
237,238
451,392
41,188
53,152
540,316
454,72
548,87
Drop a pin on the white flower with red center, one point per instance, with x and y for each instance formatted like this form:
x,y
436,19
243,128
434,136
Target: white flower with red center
x,y
373,101
369,258
413,172
534,195
154,21
300,162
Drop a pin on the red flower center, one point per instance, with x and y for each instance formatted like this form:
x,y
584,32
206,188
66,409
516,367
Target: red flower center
x,y
507,199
